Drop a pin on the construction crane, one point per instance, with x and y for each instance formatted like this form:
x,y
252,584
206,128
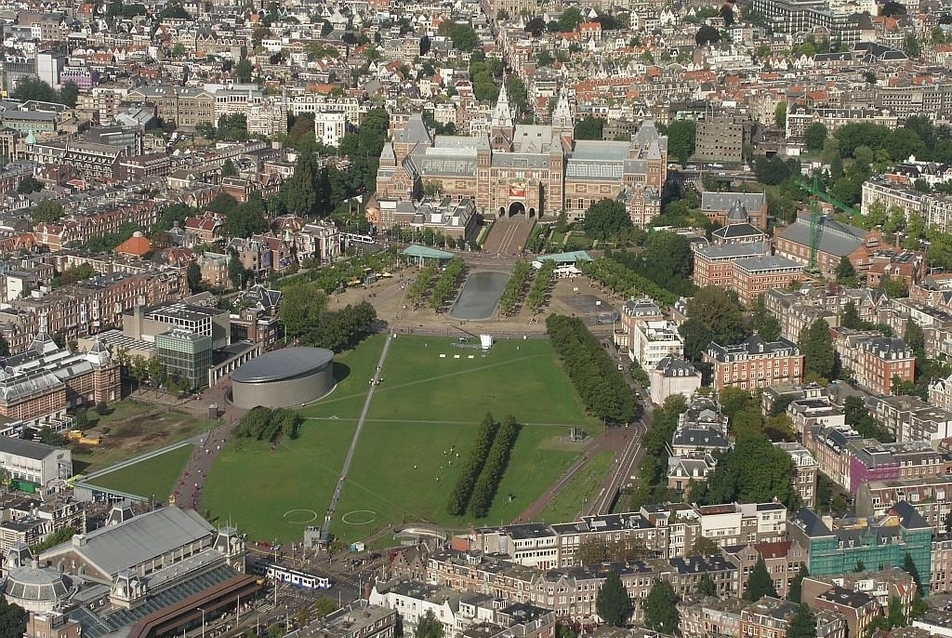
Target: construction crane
x,y
819,194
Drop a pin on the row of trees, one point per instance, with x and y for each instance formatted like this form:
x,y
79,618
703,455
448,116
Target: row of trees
x,y
601,385
488,483
540,286
447,283
515,289
334,277
267,424
620,279
420,287
666,259
463,490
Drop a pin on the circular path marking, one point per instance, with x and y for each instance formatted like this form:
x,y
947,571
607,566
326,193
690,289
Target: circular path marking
x,y
359,517
300,516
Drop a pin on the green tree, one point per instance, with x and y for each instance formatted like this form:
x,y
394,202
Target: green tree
x,y
816,346
814,136
68,94
661,608
706,35
763,322
29,184
47,211
759,583
193,275
803,624
237,274
228,168
302,306
589,128
681,139
13,620
429,626
613,603
780,115
909,566
605,218
298,193
706,586
243,71
795,591
704,546
846,273
33,88
713,315
569,20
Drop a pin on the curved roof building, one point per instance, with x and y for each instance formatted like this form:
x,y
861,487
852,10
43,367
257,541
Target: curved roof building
x,y
284,378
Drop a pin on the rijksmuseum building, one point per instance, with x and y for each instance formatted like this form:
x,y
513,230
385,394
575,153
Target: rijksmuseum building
x,y
524,169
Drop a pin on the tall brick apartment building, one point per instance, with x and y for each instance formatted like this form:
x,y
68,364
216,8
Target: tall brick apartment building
x,y
754,363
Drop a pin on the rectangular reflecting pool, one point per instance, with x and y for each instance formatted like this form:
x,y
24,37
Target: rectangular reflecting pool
x,y
480,295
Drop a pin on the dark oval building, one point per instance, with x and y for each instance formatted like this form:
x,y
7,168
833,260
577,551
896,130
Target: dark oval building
x,y
284,378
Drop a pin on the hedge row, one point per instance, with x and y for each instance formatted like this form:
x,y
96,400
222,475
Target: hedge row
x,y
446,284
515,288
540,286
460,496
489,479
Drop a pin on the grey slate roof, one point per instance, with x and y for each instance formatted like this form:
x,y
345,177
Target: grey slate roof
x,y
835,238
766,262
140,539
724,201
26,449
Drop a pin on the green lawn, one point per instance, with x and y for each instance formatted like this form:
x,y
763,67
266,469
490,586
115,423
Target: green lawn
x,y
518,377
570,500
425,406
152,478
254,487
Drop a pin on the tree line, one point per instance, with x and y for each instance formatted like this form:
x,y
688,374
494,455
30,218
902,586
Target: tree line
x,y
594,374
447,283
420,288
495,467
463,490
515,288
540,286
267,424
620,279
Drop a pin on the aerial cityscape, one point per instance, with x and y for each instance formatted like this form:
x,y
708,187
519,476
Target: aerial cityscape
x,y
476,319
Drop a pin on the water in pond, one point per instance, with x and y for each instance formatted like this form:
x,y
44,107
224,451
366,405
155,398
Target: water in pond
x,y
480,295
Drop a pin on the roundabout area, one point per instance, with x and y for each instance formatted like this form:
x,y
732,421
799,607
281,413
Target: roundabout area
x,y
359,517
300,516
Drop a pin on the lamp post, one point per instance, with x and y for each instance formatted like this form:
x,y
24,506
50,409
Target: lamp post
x,y
203,620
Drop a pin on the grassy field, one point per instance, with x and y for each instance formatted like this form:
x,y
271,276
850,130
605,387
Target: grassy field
x,y
254,487
153,477
569,501
424,412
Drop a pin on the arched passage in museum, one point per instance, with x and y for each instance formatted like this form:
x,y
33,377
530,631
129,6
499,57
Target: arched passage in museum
x,y
517,208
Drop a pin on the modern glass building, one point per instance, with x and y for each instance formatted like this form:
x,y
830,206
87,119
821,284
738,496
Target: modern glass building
x,y
185,355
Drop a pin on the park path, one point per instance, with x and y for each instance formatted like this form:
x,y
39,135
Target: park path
x,y
188,488
332,508
612,439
